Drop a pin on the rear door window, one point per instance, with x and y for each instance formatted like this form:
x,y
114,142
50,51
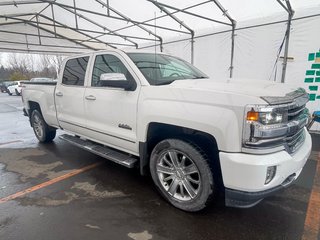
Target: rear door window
x,y
75,71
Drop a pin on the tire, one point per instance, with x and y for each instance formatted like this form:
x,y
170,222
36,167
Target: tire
x,y
17,93
43,132
181,173
10,93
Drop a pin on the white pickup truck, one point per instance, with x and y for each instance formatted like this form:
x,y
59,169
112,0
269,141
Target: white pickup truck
x,y
194,135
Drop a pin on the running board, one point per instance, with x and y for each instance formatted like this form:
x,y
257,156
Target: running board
x,y
124,159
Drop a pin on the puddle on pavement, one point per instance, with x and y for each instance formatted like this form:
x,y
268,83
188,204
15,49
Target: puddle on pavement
x,y
140,236
17,161
78,191
91,190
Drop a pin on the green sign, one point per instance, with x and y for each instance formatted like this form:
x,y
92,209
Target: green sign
x,y
312,77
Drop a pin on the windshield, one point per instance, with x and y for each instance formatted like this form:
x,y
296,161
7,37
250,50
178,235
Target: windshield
x,y
161,69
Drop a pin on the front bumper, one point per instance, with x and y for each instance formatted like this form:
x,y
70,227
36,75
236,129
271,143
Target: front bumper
x,y
241,199
244,174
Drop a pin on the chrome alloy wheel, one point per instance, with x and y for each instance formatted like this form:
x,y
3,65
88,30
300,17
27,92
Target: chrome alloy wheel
x,y
38,126
178,175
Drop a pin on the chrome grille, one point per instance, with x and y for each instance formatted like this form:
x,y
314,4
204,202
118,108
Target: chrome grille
x,y
297,119
295,112
294,142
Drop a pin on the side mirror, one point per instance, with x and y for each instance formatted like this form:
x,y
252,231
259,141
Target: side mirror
x,y
116,80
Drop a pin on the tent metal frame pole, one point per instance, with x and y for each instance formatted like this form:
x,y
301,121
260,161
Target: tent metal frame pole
x,y
53,17
187,12
108,10
165,15
75,13
65,26
15,3
162,8
241,28
99,25
286,50
9,23
68,27
52,37
91,31
19,15
282,5
290,12
38,45
223,10
26,42
233,25
37,18
232,49
192,49
155,18
113,17
36,51
47,30
76,30
129,20
33,23
41,11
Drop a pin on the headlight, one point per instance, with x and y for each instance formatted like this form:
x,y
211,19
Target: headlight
x,y
264,127
269,117
273,118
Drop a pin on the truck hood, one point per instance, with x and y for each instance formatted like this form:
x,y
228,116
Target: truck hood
x,y
257,88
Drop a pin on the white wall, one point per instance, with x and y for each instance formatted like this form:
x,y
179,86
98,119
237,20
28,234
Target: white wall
x,y
256,49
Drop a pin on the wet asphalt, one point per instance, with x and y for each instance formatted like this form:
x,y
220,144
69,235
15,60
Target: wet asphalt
x,y
113,202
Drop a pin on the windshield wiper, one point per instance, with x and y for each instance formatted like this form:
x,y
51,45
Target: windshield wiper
x,y
164,82
199,77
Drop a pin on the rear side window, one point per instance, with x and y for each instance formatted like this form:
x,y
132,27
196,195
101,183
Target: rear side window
x,y
75,71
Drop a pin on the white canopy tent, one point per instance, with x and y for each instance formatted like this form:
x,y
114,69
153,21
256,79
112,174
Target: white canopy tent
x,y
97,24
225,38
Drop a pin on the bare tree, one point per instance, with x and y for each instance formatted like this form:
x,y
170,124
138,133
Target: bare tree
x,y
45,64
20,63
57,62
27,66
51,63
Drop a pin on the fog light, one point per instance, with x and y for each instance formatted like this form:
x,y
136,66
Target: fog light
x,y
271,172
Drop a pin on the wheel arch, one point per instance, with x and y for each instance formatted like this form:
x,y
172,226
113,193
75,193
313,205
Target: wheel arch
x,y
33,106
157,132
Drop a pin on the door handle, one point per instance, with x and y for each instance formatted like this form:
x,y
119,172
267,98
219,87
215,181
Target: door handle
x,y
59,94
90,97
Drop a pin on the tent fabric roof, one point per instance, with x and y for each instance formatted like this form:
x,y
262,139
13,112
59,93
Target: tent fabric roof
x,y
73,26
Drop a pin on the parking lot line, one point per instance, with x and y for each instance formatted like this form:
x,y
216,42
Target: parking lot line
x,y
312,222
48,183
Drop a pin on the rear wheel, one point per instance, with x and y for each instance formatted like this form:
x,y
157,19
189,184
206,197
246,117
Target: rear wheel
x,y
43,132
182,175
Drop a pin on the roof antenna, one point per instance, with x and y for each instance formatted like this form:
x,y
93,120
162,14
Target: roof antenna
x,y
155,42
155,31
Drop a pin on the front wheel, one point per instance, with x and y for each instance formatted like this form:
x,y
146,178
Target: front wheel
x,y
181,172
43,132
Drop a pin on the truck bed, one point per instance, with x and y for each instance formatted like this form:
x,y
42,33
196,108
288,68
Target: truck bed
x,y
42,93
39,83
